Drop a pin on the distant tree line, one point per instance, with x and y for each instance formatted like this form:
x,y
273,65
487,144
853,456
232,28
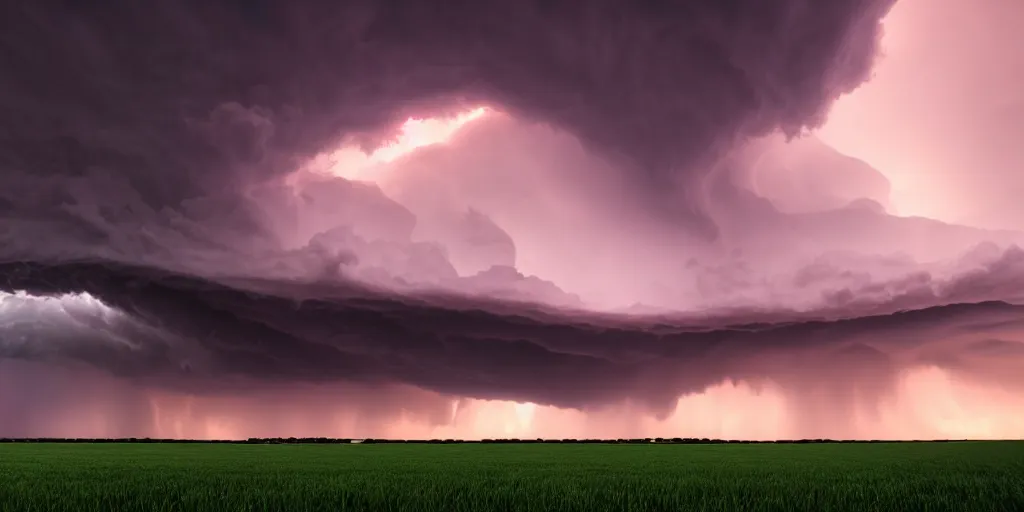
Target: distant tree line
x,y
329,440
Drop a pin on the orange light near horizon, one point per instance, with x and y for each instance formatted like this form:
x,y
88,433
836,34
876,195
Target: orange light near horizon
x,y
928,403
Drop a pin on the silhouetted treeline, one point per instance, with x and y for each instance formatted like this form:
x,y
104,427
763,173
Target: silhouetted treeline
x,y
329,440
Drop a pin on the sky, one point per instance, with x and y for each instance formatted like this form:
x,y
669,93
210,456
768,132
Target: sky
x,y
757,219
941,114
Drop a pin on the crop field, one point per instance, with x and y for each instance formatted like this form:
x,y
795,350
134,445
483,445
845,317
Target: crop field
x,y
975,476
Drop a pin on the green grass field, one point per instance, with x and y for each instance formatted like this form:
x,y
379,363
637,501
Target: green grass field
x,y
962,476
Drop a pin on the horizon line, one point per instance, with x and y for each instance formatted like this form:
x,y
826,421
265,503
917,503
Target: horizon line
x,y
329,440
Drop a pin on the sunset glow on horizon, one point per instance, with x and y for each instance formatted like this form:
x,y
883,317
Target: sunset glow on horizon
x,y
929,404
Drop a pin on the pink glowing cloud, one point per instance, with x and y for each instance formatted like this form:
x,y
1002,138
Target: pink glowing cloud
x,y
941,113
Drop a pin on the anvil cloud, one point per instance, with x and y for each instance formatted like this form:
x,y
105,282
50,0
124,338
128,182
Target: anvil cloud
x,y
471,219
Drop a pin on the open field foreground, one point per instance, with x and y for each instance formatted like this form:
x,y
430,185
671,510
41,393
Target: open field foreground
x,y
975,476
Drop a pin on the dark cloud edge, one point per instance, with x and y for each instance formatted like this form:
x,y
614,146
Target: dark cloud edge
x,y
203,335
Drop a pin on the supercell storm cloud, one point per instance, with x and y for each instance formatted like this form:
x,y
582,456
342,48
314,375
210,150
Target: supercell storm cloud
x,y
472,219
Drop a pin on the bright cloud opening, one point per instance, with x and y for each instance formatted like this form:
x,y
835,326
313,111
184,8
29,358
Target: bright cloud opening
x,y
353,163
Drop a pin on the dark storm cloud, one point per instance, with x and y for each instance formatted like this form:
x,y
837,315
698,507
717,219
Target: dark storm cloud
x,y
183,98
186,333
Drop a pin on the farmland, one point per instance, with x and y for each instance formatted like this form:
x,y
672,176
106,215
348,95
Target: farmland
x,y
537,477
